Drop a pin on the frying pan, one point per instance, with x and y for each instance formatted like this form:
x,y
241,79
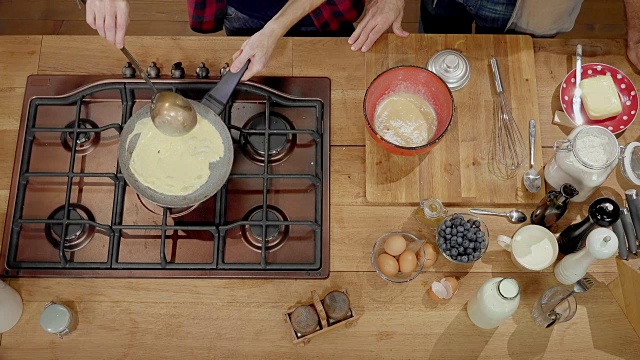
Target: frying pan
x,y
210,108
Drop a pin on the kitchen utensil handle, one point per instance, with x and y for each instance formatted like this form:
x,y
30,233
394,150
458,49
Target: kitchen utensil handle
x,y
622,244
629,231
532,139
485,212
633,202
496,75
217,98
136,65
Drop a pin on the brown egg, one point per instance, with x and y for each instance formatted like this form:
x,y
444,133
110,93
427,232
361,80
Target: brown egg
x,y
387,264
407,261
431,255
395,244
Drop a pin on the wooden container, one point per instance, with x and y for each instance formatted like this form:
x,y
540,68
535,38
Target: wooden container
x,y
325,323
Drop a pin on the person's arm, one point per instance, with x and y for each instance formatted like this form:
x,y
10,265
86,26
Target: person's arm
x,y
259,47
379,15
110,18
633,31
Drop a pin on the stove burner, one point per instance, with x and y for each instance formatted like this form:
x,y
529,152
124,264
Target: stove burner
x,y
78,235
276,234
157,209
85,141
280,145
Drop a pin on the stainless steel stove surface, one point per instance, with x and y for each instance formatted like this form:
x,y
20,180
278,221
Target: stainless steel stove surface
x,y
271,219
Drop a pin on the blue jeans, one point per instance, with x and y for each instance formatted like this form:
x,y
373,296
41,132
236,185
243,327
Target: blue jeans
x,y
457,16
238,24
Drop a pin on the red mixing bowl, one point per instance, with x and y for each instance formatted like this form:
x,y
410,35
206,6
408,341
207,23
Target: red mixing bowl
x,y
416,80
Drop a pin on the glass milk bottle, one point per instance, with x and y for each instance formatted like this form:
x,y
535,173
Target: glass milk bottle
x,y
10,307
587,157
495,301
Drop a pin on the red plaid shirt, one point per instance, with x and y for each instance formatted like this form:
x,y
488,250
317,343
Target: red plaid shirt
x,y
207,16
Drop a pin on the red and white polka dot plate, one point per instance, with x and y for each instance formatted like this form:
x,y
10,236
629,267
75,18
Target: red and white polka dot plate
x,y
626,91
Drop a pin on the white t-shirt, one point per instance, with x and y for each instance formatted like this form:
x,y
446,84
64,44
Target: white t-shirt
x,y
544,17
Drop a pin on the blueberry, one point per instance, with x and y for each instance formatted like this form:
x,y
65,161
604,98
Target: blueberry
x,y
468,236
454,252
460,229
440,242
454,232
480,235
447,231
456,216
465,244
447,246
468,251
442,226
472,245
448,237
464,259
473,237
467,226
459,241
483,245
447,223
447,252
477,255
477,223
460,249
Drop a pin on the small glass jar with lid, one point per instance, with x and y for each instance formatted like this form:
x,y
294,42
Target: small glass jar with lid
x,y
587,157
58,319
431,212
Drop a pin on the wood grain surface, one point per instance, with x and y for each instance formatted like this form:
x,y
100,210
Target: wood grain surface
x,y
242,318
457,169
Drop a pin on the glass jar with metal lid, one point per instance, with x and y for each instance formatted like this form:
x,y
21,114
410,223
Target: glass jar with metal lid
x,y
587,157
58,319
452,67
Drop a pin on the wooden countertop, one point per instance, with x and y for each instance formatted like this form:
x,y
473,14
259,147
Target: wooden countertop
x,y
212,318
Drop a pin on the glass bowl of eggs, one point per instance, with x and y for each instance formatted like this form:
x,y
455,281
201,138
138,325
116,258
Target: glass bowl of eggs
x,y
462,238
398,257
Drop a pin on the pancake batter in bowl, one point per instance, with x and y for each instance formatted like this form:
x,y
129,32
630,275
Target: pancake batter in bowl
x,y
174,165
405,119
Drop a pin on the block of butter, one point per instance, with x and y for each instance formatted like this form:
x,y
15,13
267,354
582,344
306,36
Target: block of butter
x,y
600,97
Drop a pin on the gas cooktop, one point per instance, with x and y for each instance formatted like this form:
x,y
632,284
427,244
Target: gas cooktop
x,y
271,218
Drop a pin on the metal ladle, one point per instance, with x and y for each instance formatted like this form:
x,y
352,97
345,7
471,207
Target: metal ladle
x,y
171,113
514,216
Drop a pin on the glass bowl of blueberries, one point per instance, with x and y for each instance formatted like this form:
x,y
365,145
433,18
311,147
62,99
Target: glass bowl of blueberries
x,y
462,238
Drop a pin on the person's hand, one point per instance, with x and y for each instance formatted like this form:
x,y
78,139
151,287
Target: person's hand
x,y
633,47
258,49
378,16
110,18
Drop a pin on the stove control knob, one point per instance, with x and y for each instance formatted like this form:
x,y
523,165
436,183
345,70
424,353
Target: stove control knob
x,y
153,71
202,72
128,71
177,71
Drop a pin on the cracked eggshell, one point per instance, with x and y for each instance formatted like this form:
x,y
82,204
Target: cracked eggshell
x,y
437,291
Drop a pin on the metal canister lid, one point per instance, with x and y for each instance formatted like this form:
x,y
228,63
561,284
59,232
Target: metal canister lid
x,y
55,318
452,67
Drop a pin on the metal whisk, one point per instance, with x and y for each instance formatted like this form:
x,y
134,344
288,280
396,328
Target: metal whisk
x,y
507,145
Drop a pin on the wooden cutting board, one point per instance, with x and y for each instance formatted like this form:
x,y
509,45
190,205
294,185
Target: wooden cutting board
x,y
456,171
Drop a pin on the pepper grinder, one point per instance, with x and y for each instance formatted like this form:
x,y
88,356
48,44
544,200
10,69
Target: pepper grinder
x,y
603,212
601,243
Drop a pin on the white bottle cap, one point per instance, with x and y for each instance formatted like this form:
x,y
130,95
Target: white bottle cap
x,y
55,318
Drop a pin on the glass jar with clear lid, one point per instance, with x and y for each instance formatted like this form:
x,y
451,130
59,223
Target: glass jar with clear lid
x,y
587,157
431,212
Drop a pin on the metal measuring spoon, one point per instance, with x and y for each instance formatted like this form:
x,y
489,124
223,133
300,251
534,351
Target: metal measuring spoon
x,y
171,113
514,216
532,180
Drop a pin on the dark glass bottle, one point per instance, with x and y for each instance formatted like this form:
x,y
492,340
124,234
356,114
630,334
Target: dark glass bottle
x,y
553,206
602,212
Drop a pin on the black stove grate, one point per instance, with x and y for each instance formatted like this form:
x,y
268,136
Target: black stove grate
x,y
218,228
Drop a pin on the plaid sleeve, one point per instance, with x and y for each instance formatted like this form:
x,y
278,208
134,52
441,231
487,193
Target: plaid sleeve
x,y
206,16
329,15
